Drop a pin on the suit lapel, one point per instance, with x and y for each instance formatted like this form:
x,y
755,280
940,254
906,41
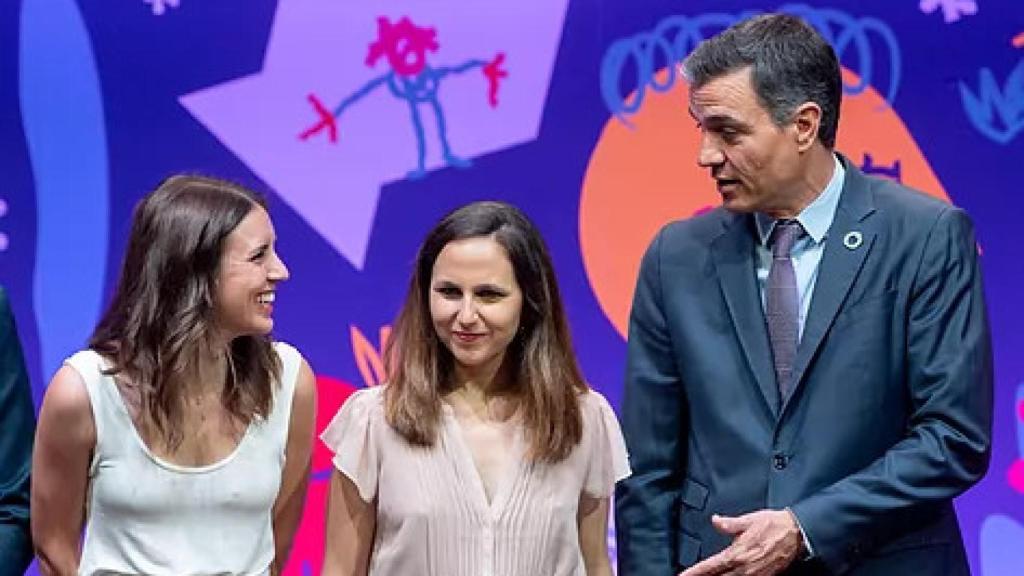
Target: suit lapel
x,y
849,241
733,255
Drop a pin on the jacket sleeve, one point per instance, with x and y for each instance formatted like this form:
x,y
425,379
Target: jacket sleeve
x,y
17,425
947,444
653,423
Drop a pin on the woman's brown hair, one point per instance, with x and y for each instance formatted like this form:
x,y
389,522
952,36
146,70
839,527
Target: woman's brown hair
x,y
543,365
161,317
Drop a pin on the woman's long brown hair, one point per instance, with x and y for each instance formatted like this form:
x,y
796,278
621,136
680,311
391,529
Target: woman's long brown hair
x,y
161,317
544,368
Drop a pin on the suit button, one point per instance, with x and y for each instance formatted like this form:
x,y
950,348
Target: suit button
x,y
779,461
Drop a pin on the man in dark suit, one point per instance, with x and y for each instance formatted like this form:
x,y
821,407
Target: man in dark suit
x,y
809,382
17,423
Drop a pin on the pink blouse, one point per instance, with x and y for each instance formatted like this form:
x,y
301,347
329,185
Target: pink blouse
x,y
433,518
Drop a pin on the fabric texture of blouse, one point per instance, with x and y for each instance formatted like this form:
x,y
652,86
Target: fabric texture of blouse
x,y
149,516
433,518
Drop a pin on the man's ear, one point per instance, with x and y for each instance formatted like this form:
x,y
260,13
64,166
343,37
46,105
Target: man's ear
x,y
806,121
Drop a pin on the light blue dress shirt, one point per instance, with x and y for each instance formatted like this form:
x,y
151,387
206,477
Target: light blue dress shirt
x,y
816,219
806,255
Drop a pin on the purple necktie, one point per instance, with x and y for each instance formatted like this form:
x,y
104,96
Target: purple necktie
x,y
782,302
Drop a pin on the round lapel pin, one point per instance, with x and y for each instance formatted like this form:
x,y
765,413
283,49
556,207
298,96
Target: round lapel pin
x,y
853,240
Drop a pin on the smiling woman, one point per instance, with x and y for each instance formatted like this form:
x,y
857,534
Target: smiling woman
x,y
475,304
248,275
165,438
514,456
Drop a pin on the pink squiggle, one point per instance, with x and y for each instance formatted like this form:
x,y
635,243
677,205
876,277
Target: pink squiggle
x,y
494,72
5,242
1015,475
404,44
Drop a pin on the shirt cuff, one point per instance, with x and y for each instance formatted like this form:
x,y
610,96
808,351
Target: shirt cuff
x,y
808,549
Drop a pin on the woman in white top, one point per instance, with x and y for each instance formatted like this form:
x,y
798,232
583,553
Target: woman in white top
x,y
181,439
485,454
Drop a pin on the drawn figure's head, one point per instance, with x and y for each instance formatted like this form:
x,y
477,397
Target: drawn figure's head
x,y
405,45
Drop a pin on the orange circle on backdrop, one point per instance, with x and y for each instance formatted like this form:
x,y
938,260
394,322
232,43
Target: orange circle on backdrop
x,y
642,177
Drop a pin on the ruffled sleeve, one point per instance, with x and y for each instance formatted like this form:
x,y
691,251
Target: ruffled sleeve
x,y
609,462
350,436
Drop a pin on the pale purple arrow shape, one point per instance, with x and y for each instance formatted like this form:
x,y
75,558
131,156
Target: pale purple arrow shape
x,y
951,9
1001,542
319,47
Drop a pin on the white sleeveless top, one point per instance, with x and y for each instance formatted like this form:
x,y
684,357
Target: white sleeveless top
x,y
149,516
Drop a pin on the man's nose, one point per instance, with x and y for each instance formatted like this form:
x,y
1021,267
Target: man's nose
x,y
709,153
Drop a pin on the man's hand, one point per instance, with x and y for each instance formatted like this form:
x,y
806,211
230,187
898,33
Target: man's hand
x,y
764,543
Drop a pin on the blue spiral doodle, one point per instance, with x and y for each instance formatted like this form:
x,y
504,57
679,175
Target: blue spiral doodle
x,y
676,36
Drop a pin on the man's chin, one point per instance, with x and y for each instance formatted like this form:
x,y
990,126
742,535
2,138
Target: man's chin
x,y
735,206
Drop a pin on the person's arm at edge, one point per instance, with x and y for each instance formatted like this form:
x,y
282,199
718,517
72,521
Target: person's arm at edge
x,y
18,420
351,524
592,521
64,443
298,463
653,414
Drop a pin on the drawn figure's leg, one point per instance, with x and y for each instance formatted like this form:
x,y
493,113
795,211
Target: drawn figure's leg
x,y
421,145
442,131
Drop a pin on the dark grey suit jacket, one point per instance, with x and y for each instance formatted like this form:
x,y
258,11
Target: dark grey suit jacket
x,y
889,418
17,425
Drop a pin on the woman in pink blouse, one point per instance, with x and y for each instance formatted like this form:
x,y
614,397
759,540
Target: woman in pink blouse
x,y
486,454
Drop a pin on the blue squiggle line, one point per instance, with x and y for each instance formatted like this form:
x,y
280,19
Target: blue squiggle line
x,y
641,51
855,30
676,36
992,106
66,141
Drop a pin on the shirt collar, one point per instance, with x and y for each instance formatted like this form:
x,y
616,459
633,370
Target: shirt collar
x,y
817,217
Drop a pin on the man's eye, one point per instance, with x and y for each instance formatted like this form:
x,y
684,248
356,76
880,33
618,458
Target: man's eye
x,y
258,255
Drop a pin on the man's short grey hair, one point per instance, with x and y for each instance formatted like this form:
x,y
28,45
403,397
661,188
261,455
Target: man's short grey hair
x,y
790,64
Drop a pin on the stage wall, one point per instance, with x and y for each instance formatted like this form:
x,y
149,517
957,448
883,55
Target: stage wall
x,y
588,133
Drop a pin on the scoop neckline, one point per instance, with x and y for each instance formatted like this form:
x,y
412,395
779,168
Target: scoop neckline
x,y
167,464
